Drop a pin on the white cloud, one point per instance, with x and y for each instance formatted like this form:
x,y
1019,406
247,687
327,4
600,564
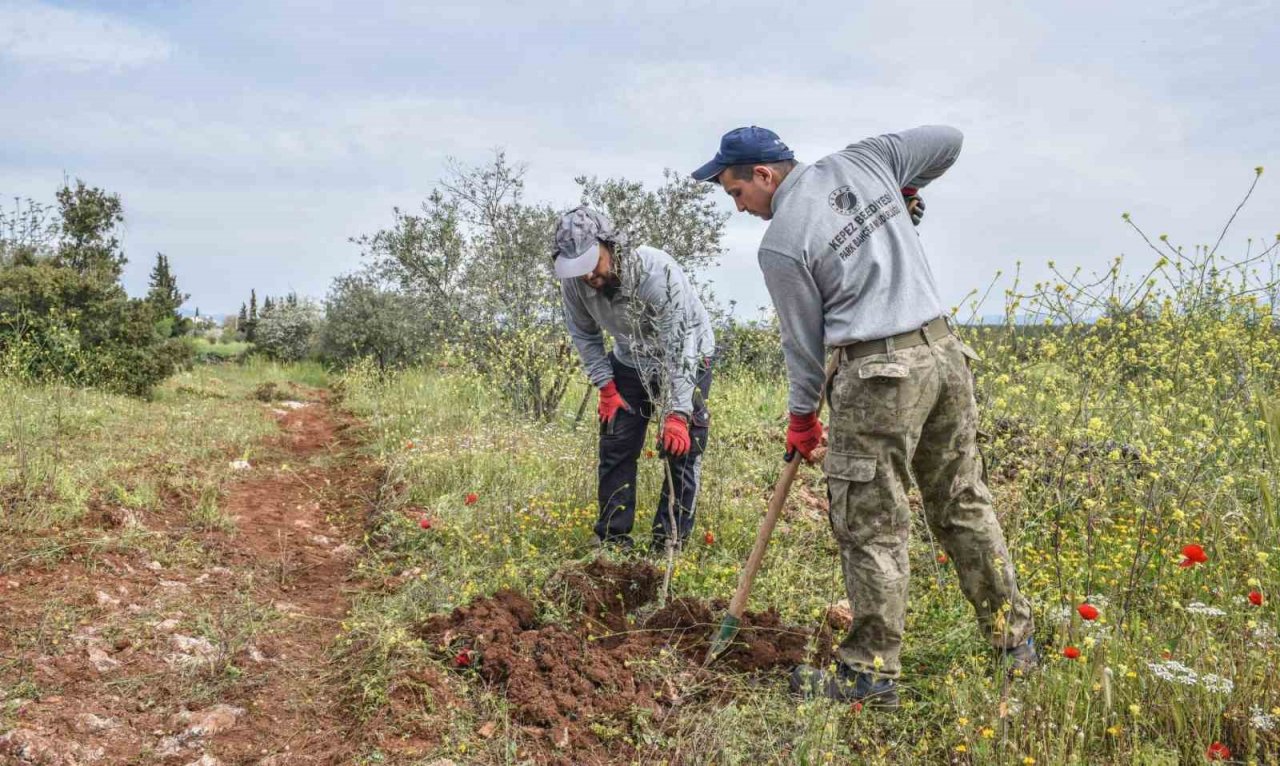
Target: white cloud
x,y
74,40
316,120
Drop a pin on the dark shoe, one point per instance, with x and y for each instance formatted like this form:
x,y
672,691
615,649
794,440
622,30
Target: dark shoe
x,y
845,685
1021,659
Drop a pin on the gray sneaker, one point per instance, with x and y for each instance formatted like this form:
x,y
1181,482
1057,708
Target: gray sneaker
x,y
1021,659
845,685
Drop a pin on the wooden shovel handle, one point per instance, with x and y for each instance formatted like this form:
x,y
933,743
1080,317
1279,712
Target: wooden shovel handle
x,y
738,604
780,491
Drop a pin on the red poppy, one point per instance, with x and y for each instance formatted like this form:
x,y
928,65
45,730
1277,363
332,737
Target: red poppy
x,y
1088,612
1255,598
942,558
856,707
1193,554
709,538
472,498
425,523
408,444
1218,752
463,659
1071,653
1166,655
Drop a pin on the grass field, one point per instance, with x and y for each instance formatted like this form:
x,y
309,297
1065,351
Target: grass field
x,y
1133,459
1091,514
206,350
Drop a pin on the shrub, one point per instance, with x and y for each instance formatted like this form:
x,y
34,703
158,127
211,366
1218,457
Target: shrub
x,y
58,323
288,332
368,318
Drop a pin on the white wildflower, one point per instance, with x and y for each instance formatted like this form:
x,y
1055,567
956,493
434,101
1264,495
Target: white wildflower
x,y
1215,683
1262,721
1174,672
1195,607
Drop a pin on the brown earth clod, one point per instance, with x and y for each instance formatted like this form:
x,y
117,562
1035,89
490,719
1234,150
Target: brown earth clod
x,y
565,678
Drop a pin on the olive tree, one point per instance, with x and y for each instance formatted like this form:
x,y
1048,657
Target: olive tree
x,y
477,256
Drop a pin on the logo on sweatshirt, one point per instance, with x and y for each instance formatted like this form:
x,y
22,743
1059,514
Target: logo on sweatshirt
x,y
843,200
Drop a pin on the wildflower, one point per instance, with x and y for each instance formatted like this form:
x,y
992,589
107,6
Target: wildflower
x,y
1029,761
961,748
1262,721
1193,554
463,659
1174,672
425,523
942,558
1195,607
472,499
988,732
1255,598
709,538
1213,682
650,454
1218,752
1088,612
1071,653
856,707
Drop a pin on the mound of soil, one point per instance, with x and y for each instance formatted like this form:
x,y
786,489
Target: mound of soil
x,y
763,641
565,680
608,591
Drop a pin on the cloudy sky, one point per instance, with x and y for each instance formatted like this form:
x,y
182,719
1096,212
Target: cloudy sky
x,y
249,140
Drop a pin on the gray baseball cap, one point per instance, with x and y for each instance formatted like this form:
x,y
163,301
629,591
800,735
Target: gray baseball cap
x,y
578,236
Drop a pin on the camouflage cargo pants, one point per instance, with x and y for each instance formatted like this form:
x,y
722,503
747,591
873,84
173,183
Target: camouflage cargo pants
x,y
892,416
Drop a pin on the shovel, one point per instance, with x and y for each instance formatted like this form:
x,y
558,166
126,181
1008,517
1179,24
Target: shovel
x,y
733,620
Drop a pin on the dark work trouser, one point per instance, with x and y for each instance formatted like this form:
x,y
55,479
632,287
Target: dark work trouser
x,y
620,448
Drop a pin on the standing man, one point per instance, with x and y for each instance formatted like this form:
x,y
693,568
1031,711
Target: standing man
x,y
660,367
846,271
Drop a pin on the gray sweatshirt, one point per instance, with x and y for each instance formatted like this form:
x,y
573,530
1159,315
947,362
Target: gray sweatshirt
x,y
658,323
841,259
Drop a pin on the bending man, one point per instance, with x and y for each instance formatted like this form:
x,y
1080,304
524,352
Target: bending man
x,y
846,271
660,368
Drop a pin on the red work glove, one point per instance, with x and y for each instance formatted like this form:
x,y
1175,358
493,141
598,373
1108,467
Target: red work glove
x,y
804,435
915,204
675,435
610,402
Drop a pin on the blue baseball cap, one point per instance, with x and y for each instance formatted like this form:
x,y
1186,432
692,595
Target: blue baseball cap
x,y
744,146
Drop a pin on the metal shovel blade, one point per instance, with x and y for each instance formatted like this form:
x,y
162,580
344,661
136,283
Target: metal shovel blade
x,y
723,639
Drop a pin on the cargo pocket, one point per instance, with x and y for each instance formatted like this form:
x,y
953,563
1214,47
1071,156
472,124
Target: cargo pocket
x,y
870,389
850,486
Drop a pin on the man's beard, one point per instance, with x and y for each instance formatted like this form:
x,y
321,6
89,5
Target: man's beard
x,y
611,286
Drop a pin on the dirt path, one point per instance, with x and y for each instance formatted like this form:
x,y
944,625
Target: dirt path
x,y
169,643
